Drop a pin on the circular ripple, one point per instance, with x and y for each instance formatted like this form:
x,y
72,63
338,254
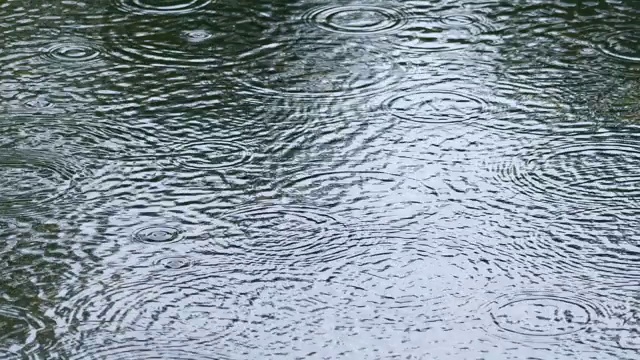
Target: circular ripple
x,y
175,262
168,7
71,52
19,329
435,107
356,19
288,233
145,303
167,43
540,315
375,198
157,234
321,71
211,155
31,178
584,170
622,45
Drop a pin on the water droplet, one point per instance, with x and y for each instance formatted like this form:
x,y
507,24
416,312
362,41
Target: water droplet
x,y
72,52
356,19
196,36
622,45
168,7
175,262
211,155
435,106
157,234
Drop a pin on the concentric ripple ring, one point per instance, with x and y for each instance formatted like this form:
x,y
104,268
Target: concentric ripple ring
x,y
360,19
168,7
435,106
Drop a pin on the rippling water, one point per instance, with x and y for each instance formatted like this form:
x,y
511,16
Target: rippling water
x,y
199,179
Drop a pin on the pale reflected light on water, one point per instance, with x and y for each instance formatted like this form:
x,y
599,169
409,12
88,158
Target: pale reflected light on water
x,y
199,179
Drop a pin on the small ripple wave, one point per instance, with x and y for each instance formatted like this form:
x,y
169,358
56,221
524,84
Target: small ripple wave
x,y
435,106
600,244
452,32
213,154
367,197
356,19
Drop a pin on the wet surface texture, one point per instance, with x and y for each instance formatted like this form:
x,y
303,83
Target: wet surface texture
x,y
201,179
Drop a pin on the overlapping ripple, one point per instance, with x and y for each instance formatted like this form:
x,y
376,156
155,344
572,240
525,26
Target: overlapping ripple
x,y
594,169
31,178
322,71
19,332
190,304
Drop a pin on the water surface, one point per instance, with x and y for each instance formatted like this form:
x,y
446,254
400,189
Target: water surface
x,y
200,179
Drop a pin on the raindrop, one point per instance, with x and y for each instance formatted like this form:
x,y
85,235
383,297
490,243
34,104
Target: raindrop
x,y
175,262
435,106
196,36
356,19
166,7
157,234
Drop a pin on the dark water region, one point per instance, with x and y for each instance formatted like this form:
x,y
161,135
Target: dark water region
x,y
202,179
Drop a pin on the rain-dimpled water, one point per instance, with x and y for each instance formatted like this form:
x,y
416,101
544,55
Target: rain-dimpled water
x,y
354,179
